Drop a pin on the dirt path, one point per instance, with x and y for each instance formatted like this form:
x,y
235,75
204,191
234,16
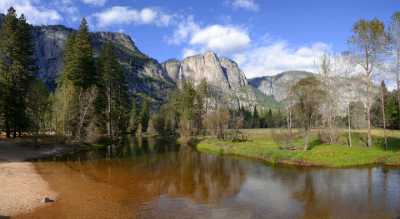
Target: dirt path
x,y
22,189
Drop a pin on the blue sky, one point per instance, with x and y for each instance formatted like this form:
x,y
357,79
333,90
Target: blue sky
x,y
264,36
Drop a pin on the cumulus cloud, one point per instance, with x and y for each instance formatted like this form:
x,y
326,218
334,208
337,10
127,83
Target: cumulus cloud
x,y
275,57
184,30
250,5
95,2
125,15
34,13
223,39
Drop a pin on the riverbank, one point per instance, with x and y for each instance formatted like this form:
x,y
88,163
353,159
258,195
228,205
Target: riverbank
x,y
262,146
22,188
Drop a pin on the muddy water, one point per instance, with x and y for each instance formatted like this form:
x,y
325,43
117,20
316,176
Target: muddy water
x,y
153,179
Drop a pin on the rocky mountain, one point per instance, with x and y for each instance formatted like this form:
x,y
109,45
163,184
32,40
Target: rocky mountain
x,y
351,89
145,75
226,80
278,85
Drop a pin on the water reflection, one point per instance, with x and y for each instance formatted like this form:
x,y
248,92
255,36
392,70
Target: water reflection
x,y
151,178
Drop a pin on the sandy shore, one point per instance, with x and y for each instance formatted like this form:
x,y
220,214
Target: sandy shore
x,y
22,189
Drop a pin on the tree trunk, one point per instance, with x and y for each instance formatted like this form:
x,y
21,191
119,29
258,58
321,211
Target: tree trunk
x,y
398,86
369,141
109,112
8,129
307,134
330,127
306,137
15,129
383,116
289,122
349,124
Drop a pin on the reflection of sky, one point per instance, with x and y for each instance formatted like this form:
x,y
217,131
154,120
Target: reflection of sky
x,y
266,195
292,193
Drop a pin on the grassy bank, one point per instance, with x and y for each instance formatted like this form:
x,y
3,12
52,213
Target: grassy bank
x,y
260,145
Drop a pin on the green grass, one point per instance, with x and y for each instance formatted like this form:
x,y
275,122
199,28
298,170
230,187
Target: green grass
x,y
262,146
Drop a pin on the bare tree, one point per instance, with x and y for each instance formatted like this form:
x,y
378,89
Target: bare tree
x,y
329,108
344,67
383,94
308,96
369,40
394,36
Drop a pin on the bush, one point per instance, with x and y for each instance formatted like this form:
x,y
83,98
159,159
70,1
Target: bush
x,y
282,138
235,136
325,137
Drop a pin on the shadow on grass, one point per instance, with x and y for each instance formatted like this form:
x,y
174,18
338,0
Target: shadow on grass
x,y
393,143
314,143
362,139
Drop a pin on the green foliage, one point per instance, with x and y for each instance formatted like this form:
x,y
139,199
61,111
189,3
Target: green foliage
x,y
262,146
145,115
38,106
391,110
369,36
80,64
308,96
134,118
17,70
256,118
113,99
74,104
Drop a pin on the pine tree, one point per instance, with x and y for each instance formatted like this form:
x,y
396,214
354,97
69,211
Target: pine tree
x,y
17,69
134,119
256,118
113,92
83,73
145,115
77,90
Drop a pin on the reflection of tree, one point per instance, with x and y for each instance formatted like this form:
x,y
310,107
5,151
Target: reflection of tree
x,y
161,168
313,208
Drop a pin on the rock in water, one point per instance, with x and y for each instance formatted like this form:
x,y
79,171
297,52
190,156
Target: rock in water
x,y
48,200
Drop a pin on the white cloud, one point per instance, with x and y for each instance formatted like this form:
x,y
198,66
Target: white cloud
x,y
184,31
250,5
68,9
125,15
34,13
221,39
276,57
95,2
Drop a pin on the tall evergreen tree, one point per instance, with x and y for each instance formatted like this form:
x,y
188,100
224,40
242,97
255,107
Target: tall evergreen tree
x,y
145,114
17,69
78,90
113,93
83,73
256,118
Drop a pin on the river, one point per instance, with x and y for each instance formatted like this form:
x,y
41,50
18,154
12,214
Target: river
x,y
155,179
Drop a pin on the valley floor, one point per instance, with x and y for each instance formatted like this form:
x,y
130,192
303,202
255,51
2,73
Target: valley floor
x,y
261,145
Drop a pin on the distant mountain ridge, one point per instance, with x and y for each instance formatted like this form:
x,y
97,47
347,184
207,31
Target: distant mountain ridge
x,y
278,85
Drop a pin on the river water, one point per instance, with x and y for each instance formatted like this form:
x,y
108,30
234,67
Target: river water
x,y
153,179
